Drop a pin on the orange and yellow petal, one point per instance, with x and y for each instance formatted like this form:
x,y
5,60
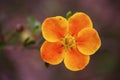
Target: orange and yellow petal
x,y
52,52
54,28
78,22
88,41
75,61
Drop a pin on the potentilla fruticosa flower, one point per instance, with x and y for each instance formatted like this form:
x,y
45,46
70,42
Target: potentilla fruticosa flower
x,y
71,41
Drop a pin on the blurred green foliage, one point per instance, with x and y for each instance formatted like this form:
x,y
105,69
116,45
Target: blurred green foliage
x,y
14,38
34,24
28,42
2,44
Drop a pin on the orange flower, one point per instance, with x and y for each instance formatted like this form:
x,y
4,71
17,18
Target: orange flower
x,y
72,40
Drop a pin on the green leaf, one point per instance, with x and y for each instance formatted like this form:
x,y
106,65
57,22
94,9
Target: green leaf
x,y
68,14
28,42
34,24
47,64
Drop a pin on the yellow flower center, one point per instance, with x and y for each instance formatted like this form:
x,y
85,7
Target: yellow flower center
x,y
68,41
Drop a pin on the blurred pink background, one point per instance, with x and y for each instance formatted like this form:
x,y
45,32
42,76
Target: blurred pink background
x,y
18,63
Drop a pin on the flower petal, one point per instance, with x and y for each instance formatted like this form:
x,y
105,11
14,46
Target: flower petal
x,y
77,22
51,52
75,61
54,28
88,41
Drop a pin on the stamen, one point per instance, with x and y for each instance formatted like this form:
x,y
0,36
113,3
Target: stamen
x,y
68,41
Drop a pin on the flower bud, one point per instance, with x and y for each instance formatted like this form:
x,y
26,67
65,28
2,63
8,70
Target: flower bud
x,y
19,28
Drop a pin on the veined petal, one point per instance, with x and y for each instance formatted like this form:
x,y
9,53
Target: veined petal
x,y
75,61
54,28
78,22
88,41
51,52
